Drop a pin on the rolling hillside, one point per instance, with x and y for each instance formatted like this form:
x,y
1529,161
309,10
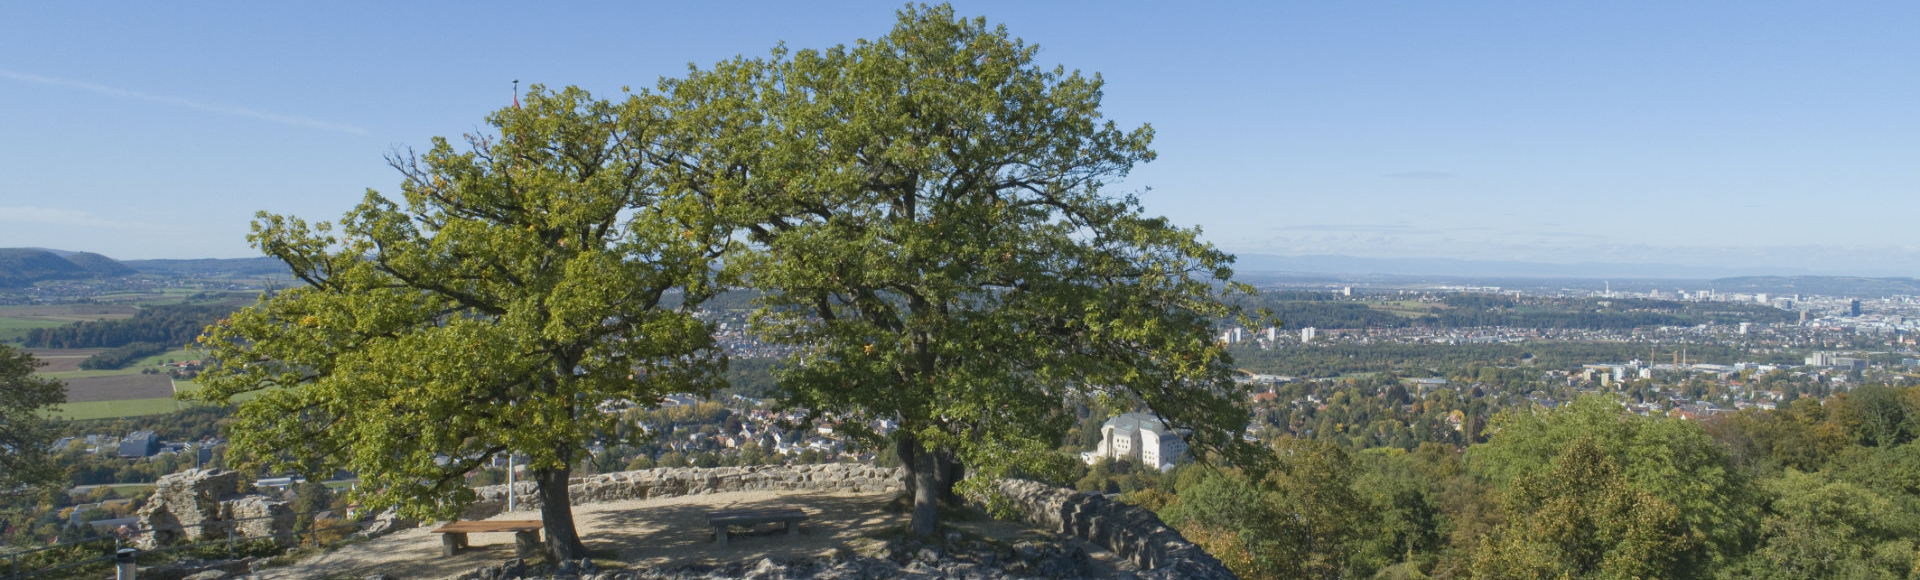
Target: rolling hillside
x,y
24,266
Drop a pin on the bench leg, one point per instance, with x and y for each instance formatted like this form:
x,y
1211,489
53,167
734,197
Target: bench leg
x,y
720,535
526,544
450,543
793,529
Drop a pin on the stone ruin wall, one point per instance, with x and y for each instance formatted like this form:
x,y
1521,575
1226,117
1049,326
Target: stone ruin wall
x,y
684,481
201,505
1131,532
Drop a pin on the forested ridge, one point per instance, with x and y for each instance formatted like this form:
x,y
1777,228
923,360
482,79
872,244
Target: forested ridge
x,y
173,325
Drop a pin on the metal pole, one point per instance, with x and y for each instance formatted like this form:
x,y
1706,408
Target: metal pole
x,y
509,481
229,542
124,563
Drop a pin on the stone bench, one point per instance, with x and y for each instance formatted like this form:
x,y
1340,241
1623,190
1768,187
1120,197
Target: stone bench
x,y
721,519
526,535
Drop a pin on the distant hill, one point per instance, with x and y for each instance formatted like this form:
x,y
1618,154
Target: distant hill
x,y
212,267
24,266
20,267
1823,285
98,265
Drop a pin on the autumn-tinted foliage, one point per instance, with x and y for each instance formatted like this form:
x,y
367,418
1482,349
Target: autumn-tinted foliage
x,y
931,226
1586,490
515,288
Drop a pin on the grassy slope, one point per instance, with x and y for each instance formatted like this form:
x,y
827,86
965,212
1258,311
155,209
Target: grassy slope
x,y
112,409
134,407
13,329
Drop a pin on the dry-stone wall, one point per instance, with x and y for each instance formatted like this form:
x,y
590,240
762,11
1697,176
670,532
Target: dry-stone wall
x,y
1133,533
682,481
203,504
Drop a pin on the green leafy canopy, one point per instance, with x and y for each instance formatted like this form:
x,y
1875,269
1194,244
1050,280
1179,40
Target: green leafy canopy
x,y
515,289
930,220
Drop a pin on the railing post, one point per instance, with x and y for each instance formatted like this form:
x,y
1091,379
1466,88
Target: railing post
x,y
15,560
125,563
229,542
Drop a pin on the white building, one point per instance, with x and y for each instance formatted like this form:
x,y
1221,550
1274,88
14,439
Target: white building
x,y
1140,438
1306,334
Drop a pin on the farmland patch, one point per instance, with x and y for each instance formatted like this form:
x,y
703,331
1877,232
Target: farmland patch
x,y
60,360
118,388
112,409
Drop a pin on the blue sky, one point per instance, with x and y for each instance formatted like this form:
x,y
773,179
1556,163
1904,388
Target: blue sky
x,y
1750,134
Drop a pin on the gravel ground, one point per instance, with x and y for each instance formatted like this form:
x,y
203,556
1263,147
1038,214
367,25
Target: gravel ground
x,y
666,532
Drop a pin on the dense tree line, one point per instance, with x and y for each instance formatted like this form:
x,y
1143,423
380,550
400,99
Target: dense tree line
x,y
173,325
1325,314
121,356
1558,320
1816,489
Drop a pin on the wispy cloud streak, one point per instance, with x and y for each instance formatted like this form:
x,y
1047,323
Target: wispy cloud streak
x,y
289,120
55,216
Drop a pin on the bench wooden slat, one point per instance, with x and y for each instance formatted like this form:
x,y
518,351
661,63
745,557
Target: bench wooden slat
x,y
723,518
754,516
486,527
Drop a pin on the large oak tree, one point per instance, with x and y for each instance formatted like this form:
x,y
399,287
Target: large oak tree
x,y
520,284
930,220
25,432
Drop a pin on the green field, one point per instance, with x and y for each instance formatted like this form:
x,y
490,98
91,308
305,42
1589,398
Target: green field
x,y
13,329
134,407
26,323
113,409
15,321
91,374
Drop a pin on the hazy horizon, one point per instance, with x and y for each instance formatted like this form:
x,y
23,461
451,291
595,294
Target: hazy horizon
x,y
1706,135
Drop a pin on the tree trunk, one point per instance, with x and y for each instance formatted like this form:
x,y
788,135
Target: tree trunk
x,y
948,471
922,485
903,447
926,495
556,514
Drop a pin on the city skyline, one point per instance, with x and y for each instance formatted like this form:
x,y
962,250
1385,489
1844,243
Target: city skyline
x,y
1707,135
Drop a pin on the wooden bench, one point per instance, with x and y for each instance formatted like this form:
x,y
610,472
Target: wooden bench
x,y
526,535
721,519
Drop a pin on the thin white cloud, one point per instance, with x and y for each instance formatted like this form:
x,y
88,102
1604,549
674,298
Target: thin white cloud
x,y
289,120
57,217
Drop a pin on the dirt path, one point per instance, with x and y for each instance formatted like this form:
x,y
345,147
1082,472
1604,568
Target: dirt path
x,y
654,532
